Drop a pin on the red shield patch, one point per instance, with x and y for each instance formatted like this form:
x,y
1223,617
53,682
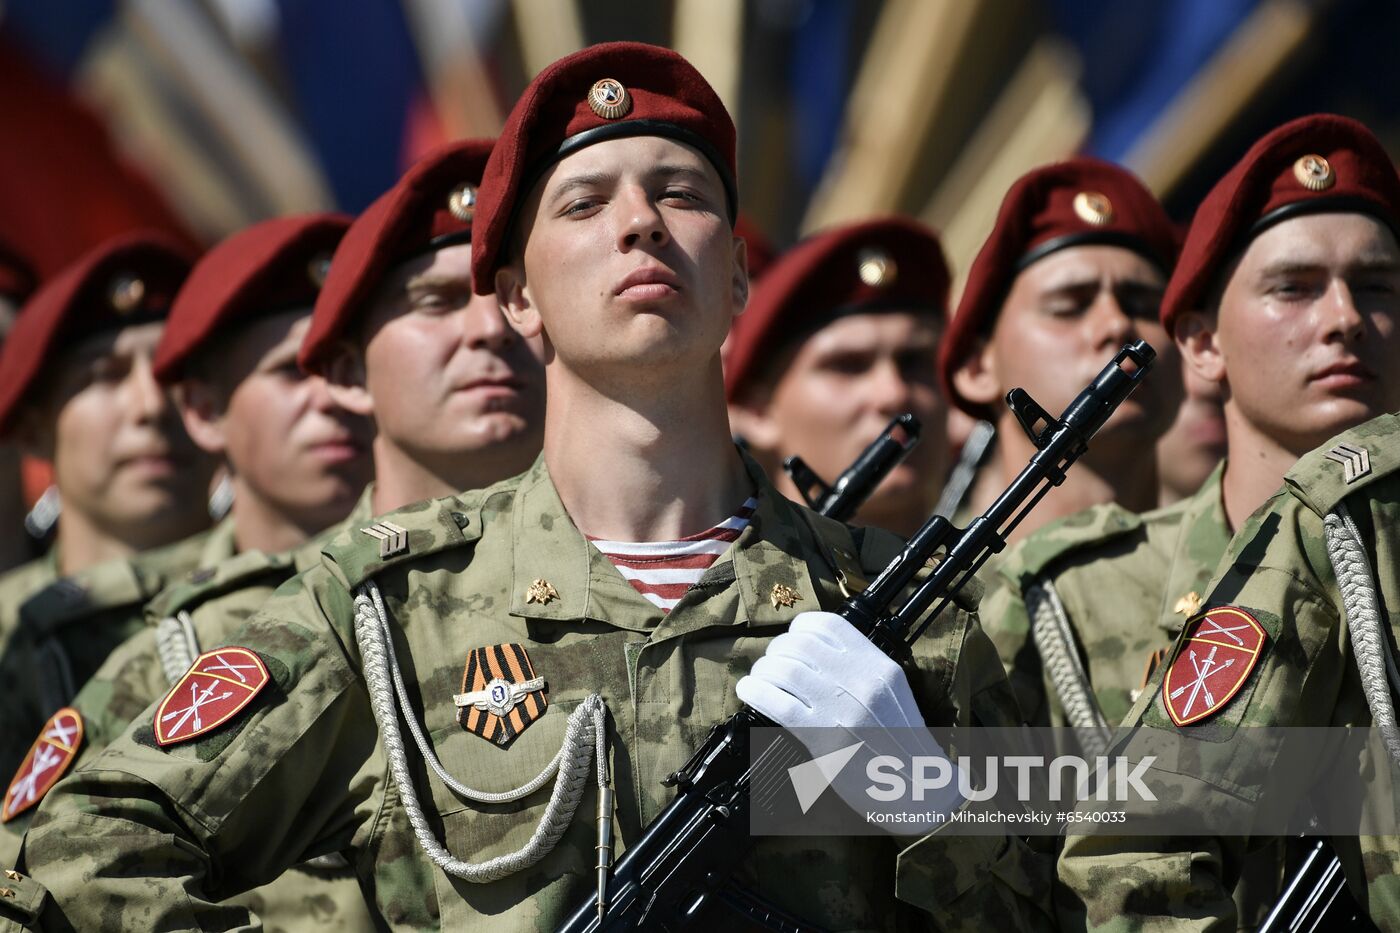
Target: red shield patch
x,y
1222,648
212,692
48,758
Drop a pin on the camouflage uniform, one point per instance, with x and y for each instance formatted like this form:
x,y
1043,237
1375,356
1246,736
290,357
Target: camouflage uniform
x,y
19,584
1278,569
1121,579
214,600
1127,584
67,629
305,771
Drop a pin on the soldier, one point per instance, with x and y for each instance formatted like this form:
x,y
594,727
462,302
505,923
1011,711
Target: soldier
x,y
1308,586
1287,294
78,390
1294,319
1121,585
1073,269
839,338
1195,444
297,464
414,239
456,395
521,631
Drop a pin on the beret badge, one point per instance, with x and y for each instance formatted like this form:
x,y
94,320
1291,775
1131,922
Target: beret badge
x,y
318,268
461,203
126,293
1314,173
1093,208
876,268
609,99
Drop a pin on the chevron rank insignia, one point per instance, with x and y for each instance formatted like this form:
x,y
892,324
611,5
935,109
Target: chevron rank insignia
x,y
1221,649
1355,461
392,539
501,694
48,758
213,691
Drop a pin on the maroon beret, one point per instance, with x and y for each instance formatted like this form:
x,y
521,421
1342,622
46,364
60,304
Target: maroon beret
x,y
889,264
603,92
130,279
1317,164
272,266
434,205
16,274
1078,202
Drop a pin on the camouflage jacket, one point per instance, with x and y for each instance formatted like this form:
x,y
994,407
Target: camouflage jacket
x,y
68,628
199,612
304,771
1123,580
19,584
1277,570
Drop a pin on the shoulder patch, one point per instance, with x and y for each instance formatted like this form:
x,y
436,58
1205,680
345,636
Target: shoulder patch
x,y
232,574
1089,528
1347,463
48,758
1221,649
361,551
219,685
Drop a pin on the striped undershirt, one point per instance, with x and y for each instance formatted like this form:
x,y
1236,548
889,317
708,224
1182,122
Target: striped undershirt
x,y
663,570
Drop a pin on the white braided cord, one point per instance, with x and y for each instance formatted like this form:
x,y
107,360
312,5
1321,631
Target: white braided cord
x,y
571,763
1377,668
1054,639
176,645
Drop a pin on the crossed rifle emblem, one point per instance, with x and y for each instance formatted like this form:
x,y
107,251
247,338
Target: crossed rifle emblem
x,y
198,700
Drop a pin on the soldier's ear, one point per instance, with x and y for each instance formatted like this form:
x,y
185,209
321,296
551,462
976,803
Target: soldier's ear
x,y
344,371
749,419
33,432
201,406
977,379
513,295
1196,337
741,275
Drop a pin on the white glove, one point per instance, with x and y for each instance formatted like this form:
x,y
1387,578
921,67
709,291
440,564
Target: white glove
x,y
822,672
827,680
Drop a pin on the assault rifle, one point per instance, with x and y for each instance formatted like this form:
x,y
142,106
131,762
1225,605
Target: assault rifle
x,y
1316,898
677,874
842,498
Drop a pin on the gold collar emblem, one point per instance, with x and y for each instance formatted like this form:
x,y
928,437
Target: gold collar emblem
x,y
1188,604
783,596
541,591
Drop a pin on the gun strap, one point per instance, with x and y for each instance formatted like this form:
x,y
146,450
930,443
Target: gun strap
x,y
838,546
